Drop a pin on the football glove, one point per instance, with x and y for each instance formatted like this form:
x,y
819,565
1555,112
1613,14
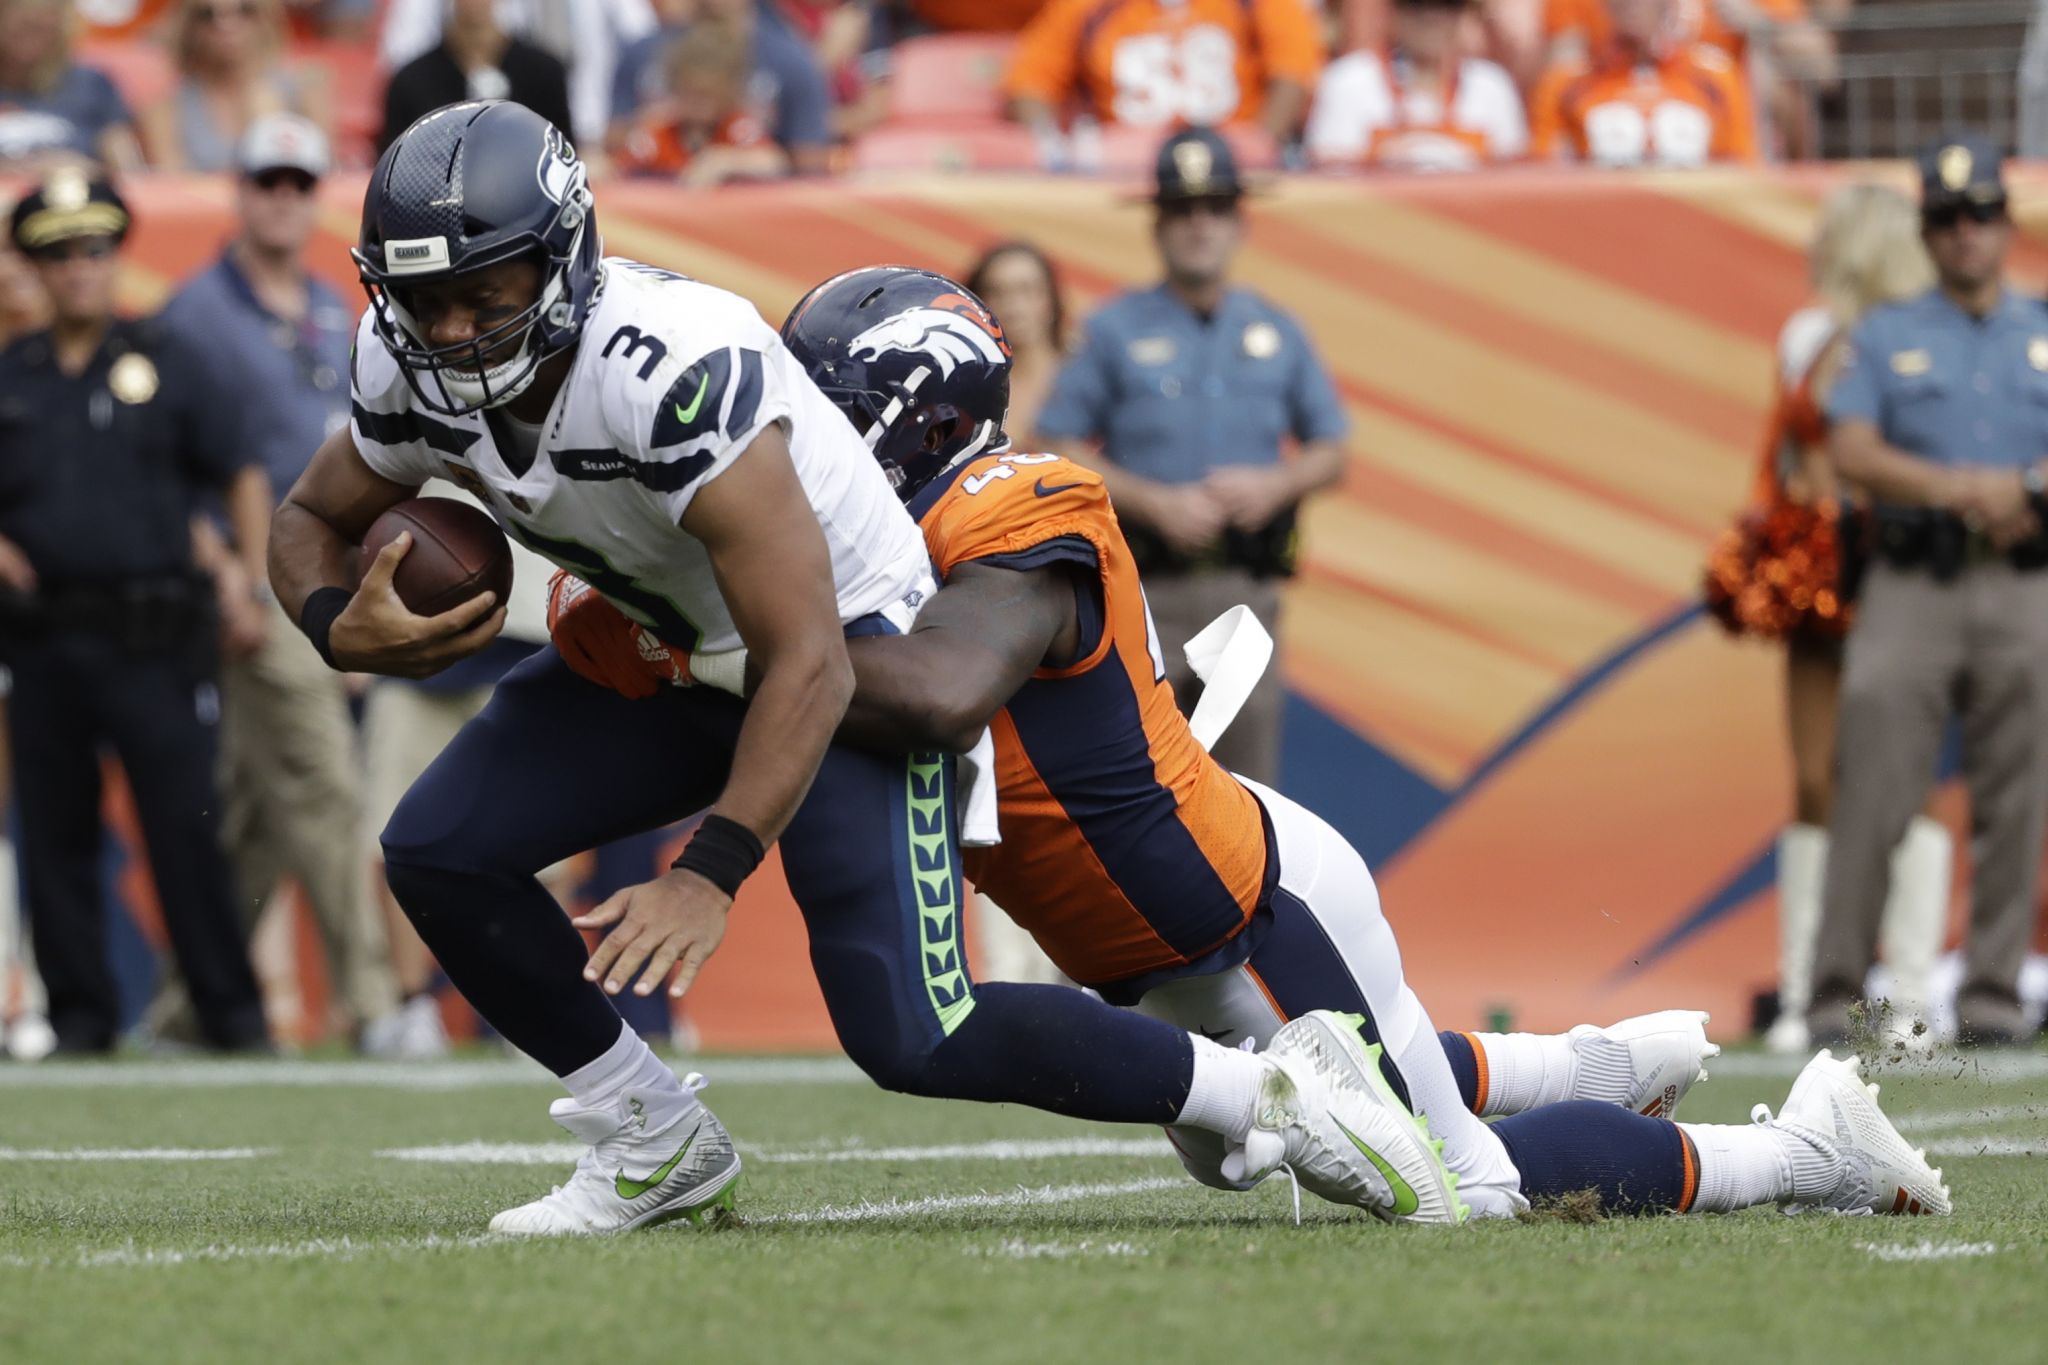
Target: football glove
x,y
604,645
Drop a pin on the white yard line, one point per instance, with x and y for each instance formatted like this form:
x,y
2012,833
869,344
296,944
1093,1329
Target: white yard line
x,y
453,1075
348,1248
1995,1067
1927,1251
1987,1145
557,1153
1947,1120
947,1203
134,1153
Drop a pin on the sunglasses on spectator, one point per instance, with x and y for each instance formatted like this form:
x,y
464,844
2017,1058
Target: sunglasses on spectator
x,y
73,249
269,181
1949,215
213,14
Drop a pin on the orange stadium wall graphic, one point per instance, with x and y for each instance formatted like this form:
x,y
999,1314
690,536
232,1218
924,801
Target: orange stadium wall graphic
x,y
1567,781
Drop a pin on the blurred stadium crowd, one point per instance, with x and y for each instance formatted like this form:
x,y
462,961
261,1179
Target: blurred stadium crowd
x,y
708,91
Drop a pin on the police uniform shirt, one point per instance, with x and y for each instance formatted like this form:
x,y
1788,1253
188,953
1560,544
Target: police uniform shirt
x,y
100,473
1948,387
292,377
1172,395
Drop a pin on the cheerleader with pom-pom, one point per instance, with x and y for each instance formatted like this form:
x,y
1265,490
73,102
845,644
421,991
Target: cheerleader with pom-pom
x,y
1777,575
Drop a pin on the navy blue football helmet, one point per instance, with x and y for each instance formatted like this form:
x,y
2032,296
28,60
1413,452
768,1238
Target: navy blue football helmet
x,y
916,362
468,186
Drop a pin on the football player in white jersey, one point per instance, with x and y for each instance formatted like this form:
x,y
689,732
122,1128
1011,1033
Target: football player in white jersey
x,y
654,435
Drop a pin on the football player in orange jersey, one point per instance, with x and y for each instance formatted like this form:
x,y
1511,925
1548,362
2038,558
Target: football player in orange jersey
x,y
1649,96
1205,900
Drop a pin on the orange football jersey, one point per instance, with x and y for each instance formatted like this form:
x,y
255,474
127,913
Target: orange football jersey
x,y
1151,63
1125,848
1688,109
1696,21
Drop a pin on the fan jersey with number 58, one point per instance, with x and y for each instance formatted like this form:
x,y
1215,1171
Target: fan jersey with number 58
x,y
673,379
1126,849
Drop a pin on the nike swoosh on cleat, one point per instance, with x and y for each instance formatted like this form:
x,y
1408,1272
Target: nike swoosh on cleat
x,y
1405,1199
633,1189
1044,492
689,414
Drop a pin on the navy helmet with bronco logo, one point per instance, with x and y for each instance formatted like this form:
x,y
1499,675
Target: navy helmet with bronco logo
x,y
465,187
915,361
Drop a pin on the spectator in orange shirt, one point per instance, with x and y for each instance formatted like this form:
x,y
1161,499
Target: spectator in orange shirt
x,y
1648,98
703,133
1162,63
1799,51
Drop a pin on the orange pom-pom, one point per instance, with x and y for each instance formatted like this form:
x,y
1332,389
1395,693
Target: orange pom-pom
x,y
1775,572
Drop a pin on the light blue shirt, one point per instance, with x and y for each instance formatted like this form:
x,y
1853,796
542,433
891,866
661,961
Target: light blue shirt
x,y
293,390
1949,387
1172,395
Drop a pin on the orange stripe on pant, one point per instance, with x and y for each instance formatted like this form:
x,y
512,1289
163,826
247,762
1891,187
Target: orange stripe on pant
x,y
1485,1076
1692,1173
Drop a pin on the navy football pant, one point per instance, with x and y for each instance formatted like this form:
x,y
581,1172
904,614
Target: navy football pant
x,y
556,765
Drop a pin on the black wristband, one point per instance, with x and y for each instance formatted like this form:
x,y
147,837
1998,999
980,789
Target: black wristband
x,y
316,618
723,852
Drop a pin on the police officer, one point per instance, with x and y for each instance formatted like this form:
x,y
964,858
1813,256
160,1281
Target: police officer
x,y
1941,414
106,447
290,776
1192,388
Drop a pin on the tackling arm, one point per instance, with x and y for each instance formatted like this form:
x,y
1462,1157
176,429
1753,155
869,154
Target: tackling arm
x,y
973,646
775,574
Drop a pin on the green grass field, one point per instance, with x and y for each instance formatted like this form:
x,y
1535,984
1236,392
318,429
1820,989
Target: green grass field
x,y
290,1211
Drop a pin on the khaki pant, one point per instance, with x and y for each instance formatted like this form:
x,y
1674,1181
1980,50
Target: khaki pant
x,y
405,728
1921,651
1181,605
293,808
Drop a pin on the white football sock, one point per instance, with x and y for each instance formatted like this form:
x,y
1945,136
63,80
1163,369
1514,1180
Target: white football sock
x,y
1802,874
1743,1165
1916,915
1524,1070
1225,1091
629,1064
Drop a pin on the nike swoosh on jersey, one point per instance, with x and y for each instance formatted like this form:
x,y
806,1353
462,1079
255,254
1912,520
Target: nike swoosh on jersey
x,y
633,1189
1405,1199
689,414
1044,492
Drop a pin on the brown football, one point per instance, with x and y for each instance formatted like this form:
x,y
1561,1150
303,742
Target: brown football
x,y
457,552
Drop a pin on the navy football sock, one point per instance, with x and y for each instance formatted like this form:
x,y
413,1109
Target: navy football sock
x,y
1057,1049
1458,1050
1635,1164
507,946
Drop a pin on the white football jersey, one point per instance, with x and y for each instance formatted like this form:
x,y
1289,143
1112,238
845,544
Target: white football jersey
x,y
1364,113
672,380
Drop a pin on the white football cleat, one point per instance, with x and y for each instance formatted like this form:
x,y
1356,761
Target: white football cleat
x,y
30,1038
1327,1114
632,1177
1646,1063
1788,1035
1833,1108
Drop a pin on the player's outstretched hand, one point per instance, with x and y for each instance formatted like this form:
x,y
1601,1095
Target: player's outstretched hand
x,y
378,633
671,923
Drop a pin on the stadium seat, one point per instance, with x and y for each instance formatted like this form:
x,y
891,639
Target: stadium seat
x,y
982,147
949,77
141,70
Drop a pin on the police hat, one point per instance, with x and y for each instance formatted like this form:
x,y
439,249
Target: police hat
x,y
1962,168
69,203
1196,163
